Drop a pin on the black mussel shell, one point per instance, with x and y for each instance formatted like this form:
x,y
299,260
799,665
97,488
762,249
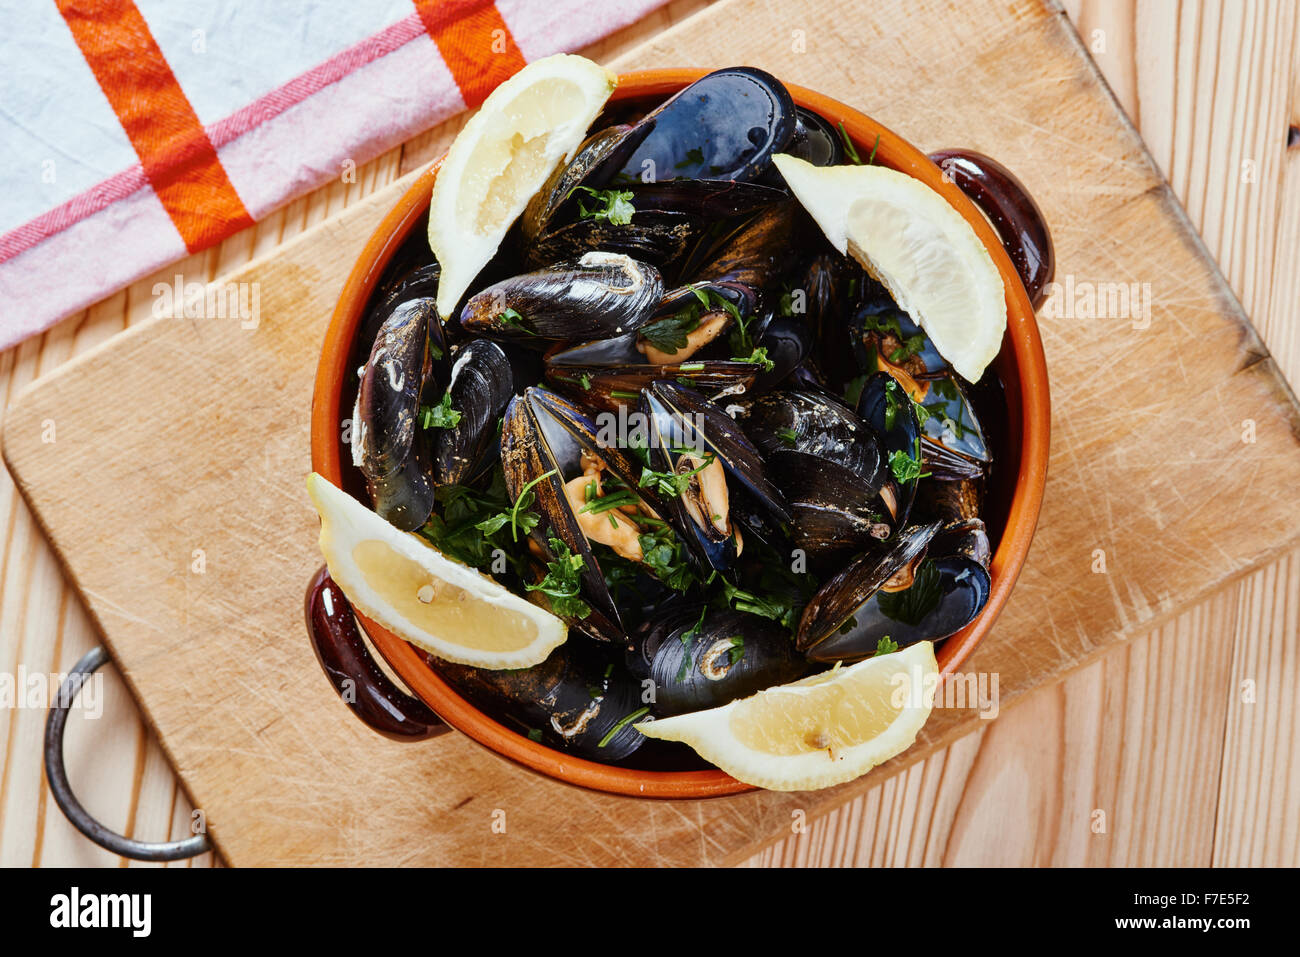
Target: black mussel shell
x,y
726,125
815,424
545,433
685,430
609,374
887,409
822,295
815,141
830,466
388,443
843,621
659,238
559,190
485,376
600,295
706,662
705,199
754,253
577,700
965,538
882,329
951,501
787,343
952,440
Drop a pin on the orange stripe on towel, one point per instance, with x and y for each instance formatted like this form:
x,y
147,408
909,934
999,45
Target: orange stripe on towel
x,y
178,158
474,42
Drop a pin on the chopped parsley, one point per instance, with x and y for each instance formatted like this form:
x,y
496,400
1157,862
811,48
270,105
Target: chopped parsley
x,y
468,521
849,148
885,646
562,583
440,416
614,206
759,358
737,649
779,608
788,436
511,317
905,467
665,556
672,484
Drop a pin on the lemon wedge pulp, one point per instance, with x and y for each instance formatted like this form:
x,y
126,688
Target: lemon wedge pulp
x,y
416,592
525,127
822,730
920,248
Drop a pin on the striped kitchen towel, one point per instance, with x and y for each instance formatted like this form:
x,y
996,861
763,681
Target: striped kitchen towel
x,y
136,131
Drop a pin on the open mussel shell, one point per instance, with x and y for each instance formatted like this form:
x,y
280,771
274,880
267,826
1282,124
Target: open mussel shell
x,y
690,434
545,433
952,440
887,409
726,125
882,328
485,376
843,620
578,700
388,444
599,295
704,658
821,296
609,374
558,192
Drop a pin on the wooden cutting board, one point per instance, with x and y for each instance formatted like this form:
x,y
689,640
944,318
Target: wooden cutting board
x,y
1174,452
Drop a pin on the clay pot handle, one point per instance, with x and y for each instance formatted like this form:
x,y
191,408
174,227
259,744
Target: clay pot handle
x,y
355,675
1012,211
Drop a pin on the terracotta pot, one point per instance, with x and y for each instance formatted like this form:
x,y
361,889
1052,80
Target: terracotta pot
x,y
1020,365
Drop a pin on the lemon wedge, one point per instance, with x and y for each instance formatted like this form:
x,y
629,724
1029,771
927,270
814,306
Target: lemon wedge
x,y
525,127
921,249
415,591
823,730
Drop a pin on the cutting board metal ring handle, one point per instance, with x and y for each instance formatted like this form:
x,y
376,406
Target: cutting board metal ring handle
x,y
1012,211
57,776
356,676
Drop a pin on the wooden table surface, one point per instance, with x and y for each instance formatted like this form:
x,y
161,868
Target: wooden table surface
x,y
1180,748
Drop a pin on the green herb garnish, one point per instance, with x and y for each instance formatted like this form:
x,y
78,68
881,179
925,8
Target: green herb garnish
x,y
671,484
520,503
759,358
614,206
562,583
623,723
665,557
511,317
440,416
848,146
885,646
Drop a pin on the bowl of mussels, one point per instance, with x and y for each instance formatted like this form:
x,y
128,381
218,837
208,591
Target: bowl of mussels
x,y
678,433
